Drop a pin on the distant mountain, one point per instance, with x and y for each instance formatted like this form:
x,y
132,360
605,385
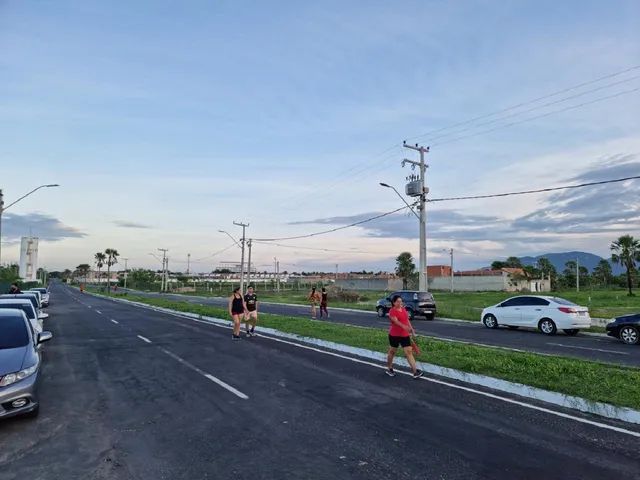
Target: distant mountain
x,y
585,259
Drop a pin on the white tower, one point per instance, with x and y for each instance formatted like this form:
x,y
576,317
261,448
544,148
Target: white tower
x,y
29,259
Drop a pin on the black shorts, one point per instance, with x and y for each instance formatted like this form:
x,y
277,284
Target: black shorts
x,y
235,312
395,342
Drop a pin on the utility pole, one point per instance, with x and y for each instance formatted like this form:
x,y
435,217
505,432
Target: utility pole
x,y
188,262
163,284
422,193
577,275
249,262
276,269
125,272
451,253
242,242
336,272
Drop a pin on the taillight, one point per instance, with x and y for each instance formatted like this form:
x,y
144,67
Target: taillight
x,y
567,310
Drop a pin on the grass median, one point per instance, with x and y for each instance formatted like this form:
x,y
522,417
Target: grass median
x,y
594,381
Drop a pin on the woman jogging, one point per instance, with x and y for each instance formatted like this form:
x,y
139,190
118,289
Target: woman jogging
x,y
323,303
400,334
313,298
237,308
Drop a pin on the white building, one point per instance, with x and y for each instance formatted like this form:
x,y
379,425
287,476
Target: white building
x,y
29,259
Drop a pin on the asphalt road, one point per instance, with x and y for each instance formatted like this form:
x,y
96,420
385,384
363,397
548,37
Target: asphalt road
x,y
129,393
590,347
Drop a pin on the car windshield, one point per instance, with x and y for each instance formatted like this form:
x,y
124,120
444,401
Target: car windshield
x,y
562,301
13,332
422,296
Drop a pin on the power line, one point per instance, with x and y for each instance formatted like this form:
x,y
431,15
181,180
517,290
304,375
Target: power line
x,y
541,190
337,228
529,102
536,117
313,248
537,107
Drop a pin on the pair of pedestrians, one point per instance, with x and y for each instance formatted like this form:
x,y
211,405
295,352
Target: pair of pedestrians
x,y
316,298
243,308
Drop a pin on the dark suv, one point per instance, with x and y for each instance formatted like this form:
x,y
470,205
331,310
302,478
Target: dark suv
x,y
416,303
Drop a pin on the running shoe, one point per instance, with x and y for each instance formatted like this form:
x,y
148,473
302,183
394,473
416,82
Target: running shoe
x,y
235,337
418,374
390,372
249,333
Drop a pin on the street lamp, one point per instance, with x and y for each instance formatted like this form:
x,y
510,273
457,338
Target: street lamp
x,y
229,235
3,208
401,198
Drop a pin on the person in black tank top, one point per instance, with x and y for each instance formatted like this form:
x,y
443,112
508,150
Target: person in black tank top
x,y
237,308
251,314
323,302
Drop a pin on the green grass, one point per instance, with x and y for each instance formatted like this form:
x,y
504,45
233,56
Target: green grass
x,y
591,380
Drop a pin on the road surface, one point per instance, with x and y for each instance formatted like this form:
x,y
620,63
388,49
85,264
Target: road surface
x,y
129,393
589,347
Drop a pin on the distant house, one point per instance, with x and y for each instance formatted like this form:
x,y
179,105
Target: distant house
x,y
486,279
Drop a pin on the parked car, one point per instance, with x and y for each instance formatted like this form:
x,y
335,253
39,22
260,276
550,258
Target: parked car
x,y
27,307
44,293
20,363
33,297
416,303
547,314
626,328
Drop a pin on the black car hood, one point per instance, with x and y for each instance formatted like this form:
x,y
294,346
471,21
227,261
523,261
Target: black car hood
x,y
12,359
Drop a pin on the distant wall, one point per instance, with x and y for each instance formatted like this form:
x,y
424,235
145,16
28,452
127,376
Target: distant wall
x,y
468,284
370,284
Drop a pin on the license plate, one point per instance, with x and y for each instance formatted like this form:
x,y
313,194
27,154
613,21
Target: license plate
x,y
428,311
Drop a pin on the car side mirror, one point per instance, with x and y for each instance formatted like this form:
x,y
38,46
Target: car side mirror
x,y
44,337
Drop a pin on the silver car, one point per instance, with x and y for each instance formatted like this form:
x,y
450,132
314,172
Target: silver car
x,y
27,307
35,299
20,363
44,294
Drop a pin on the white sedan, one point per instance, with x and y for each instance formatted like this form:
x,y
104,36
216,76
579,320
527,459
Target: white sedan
x,y
547,314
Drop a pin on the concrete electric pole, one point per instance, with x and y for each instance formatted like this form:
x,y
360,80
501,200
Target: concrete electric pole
x,y
249,268
165,261
416,188
242,242
126,260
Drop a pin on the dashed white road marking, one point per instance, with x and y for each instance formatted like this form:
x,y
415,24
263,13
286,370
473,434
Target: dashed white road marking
x,y
115,321
144,339
98,312
589,348
216,380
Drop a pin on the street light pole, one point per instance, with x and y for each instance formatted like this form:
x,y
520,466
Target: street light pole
x,y
3,208
401,198
242,242
125,272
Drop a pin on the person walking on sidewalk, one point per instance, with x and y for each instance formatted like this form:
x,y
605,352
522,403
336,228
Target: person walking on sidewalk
x,y
323,302
251,314
400,335
237,308
314,299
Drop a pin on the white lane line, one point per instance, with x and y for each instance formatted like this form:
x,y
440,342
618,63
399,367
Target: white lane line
x,y
144,339
88,306
468,389
114,321
588,348
216,380
98,312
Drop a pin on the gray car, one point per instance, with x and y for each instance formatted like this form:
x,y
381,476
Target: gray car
x,y
27,307
35,300
19,365
44,294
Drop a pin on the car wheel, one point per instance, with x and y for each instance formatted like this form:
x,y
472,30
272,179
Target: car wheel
x,y
512,327
572,332
547,326
490,321
431,316
630,335
381,312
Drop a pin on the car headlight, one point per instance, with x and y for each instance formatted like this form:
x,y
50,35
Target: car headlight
x,y
10,378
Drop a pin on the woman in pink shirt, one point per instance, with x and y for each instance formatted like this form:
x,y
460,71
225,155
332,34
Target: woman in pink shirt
x,y
400,334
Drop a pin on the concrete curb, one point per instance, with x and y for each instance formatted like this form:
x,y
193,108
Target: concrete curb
x,y
566,401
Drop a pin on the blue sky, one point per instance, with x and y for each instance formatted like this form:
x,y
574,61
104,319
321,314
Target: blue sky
x,y
165,121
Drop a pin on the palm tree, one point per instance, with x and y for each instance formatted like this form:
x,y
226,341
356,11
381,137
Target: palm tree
x,y
112,258
83,270
405,268
100,259
626,253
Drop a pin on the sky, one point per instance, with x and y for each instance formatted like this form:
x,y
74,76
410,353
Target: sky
x,y
164,122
